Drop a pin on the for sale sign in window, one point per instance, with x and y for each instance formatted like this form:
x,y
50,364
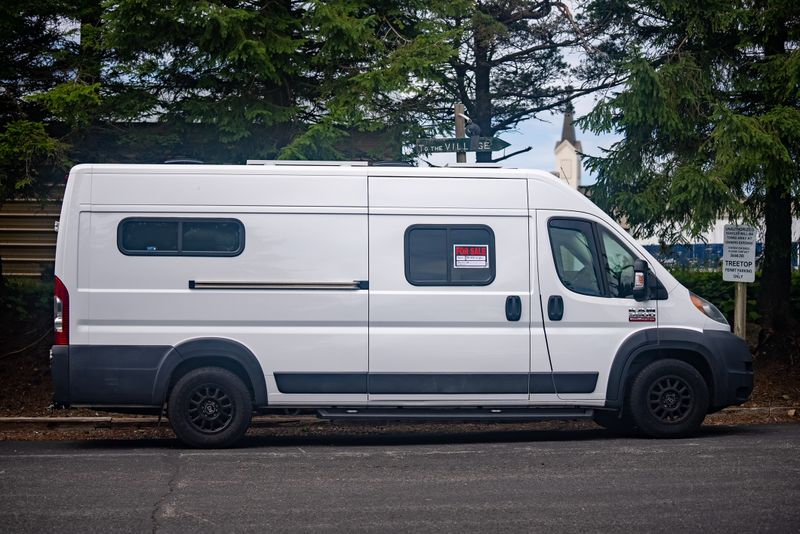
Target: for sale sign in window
x,y
470,256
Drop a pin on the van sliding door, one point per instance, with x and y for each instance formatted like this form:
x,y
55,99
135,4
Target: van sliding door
x,y
449,291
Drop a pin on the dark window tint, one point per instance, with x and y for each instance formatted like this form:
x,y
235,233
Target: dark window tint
x,y
449,255
427,255
210,236
575,255
180,237
150,236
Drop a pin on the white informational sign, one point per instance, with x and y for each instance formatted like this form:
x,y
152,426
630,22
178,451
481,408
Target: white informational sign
x,y
739,253
470,256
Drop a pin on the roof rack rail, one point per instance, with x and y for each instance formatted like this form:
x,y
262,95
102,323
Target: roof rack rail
x,y
474,165
383,163
312,163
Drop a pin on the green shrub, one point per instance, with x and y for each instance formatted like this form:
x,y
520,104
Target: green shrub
x,y
27,301
711,287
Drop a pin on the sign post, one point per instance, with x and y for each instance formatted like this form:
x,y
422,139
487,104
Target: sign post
x,y
461,155
739,266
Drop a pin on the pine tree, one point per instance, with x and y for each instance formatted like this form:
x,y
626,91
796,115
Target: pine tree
x,y
709,111
309,71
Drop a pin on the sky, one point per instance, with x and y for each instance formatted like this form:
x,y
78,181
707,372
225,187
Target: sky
x,y
542,134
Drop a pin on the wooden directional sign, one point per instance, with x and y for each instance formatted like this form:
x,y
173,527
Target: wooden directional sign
x,y
464,144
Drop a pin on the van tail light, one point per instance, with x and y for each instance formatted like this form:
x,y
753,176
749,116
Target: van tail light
x,y
61,313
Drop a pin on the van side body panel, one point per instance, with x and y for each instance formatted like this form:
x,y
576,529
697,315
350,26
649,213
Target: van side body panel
x,y
289,299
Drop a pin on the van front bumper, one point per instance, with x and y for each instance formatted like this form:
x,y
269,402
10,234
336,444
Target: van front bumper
x,y
734,368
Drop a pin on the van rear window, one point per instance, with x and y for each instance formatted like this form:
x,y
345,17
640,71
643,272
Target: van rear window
x,y
180,237
452,255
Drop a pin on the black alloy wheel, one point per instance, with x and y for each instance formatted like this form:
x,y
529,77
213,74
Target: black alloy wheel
x,y
670,399
210,408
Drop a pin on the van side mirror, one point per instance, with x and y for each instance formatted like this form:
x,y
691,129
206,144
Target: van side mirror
x,y
640,285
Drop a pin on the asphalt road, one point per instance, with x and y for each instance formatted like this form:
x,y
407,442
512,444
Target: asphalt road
x,y
742,479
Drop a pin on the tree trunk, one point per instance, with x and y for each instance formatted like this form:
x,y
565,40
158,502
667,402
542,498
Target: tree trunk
x,y
773,299
483,96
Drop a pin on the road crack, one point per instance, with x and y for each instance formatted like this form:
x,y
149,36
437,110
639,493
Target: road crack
x,y
169,510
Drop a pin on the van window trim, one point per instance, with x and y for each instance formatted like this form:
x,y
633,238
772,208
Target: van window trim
x,y
449,282
180,252
596,265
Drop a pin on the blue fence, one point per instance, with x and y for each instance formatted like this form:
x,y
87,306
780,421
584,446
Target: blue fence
x,y
704,255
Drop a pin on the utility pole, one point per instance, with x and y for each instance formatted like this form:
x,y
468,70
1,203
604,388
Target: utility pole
x,y
461,157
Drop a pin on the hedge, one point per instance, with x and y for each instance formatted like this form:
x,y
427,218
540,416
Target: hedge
x,y
711,287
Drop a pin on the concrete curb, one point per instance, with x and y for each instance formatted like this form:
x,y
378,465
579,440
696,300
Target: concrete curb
x,y
143,421
264,420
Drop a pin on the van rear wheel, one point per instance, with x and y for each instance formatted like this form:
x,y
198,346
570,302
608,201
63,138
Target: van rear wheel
x,y
668,399
209,407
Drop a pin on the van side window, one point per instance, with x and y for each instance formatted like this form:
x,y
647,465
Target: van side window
x,y
210,236
618,265
180,237
149,236
449,255
575,255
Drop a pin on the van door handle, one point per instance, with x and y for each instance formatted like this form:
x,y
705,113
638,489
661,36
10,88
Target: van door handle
x,y
513,308
555,307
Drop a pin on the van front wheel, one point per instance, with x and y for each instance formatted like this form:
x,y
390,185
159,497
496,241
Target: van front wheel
x,y
209,407
668,399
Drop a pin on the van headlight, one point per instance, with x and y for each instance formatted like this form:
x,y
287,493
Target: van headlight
x,y
708,309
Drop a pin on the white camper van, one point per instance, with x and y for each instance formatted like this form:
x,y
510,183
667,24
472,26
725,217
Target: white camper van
x,y
358,291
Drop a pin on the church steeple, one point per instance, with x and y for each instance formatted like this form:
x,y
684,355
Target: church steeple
x,y
568,129
568,161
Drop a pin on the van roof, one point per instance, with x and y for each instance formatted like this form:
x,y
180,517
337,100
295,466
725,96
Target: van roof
x,y
316,170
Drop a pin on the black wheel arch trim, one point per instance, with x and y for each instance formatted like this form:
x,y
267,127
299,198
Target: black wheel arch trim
x,y
210,348
659,339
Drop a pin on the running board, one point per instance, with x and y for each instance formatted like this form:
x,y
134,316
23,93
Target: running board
x,y
456,414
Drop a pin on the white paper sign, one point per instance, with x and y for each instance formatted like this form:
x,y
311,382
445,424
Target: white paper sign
x,y
739,253
471,256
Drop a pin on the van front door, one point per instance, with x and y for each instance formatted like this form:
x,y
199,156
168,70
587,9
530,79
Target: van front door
x,y
449,291
586,280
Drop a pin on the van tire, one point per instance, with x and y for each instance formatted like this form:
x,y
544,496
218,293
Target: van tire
x,y
668,399
209,408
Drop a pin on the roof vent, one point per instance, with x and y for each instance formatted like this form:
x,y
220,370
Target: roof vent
x,y
474,165
183,161
309,163
390,164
